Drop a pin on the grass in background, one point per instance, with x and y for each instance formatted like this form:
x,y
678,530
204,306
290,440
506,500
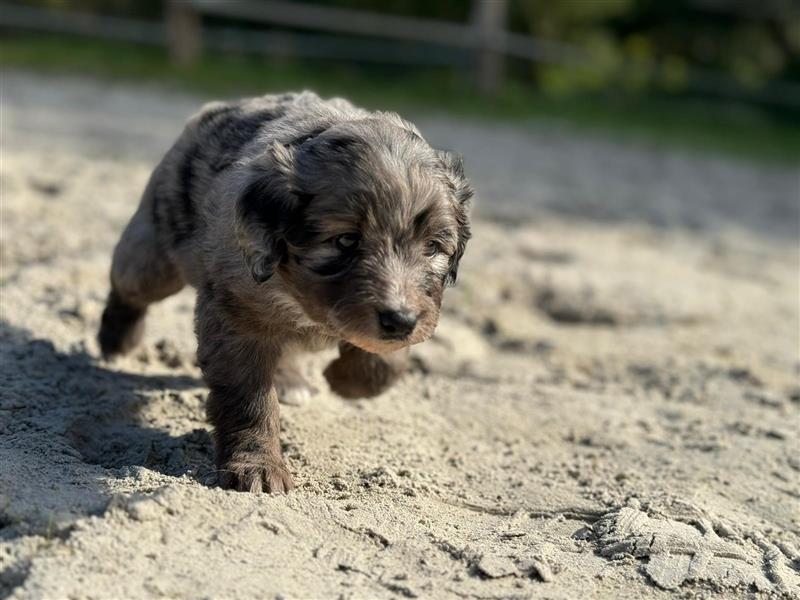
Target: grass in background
x,y
733,129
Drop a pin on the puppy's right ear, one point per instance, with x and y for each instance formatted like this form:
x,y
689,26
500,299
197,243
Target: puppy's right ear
x,y
462,194
265,209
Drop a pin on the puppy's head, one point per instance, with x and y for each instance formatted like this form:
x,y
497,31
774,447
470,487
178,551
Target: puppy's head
x,y
364,223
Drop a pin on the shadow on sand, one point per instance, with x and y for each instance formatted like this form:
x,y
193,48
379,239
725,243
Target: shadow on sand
x,y
69,423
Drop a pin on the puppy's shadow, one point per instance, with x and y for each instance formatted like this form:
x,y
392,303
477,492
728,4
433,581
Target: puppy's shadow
x,y
100,412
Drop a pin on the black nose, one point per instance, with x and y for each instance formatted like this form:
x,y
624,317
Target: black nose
x,y
397,324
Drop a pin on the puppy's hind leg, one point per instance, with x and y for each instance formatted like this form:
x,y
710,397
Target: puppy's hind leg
x,y
291,385
141,273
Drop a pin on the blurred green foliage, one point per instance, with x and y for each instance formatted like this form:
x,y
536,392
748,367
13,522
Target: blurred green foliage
x,y
664,44
633,45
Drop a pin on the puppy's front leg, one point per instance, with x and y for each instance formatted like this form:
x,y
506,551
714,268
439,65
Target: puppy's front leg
x,y
242,407
361,374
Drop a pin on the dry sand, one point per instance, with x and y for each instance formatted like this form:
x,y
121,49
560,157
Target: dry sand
x,y
610,407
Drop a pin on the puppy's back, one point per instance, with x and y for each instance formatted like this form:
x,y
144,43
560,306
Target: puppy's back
x,y
218,137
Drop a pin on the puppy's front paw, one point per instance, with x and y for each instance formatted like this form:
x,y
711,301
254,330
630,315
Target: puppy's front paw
x,y
360,374
350,382
255,472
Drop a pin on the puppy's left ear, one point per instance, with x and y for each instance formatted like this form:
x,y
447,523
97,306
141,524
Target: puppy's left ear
x,y
453,165
266,207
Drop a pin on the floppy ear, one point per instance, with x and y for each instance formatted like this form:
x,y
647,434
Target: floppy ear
x,y
265,209
453,165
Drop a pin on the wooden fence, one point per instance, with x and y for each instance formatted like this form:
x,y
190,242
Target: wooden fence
x,y
485,36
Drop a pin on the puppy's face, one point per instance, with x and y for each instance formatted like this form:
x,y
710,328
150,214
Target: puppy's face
x,y
371,264
372,232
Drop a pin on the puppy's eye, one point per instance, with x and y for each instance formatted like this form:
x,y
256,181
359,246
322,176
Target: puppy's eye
x,y
347,242
432,248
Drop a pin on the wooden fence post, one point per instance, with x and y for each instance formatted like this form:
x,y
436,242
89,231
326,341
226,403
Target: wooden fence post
x,y
489,20
184,33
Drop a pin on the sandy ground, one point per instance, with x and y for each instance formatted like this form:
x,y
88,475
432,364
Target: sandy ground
x,y
610,407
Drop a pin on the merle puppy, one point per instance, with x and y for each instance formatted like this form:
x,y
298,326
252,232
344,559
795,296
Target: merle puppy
x,y
301,223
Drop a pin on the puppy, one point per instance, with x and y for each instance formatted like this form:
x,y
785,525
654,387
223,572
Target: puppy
x,y
301,223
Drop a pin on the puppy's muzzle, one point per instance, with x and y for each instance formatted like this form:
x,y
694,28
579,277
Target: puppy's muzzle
x,y
397,324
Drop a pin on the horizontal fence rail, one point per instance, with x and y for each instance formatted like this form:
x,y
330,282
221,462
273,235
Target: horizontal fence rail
x,y
74,23
272,43
342,20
